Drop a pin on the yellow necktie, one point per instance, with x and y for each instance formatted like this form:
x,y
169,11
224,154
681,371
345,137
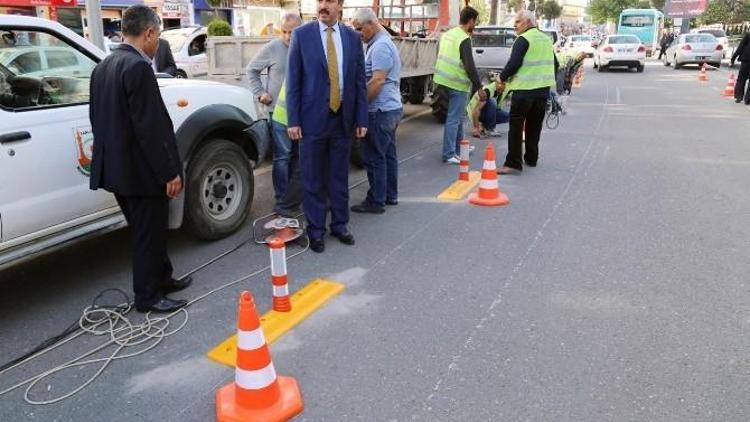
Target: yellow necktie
x,y
333,72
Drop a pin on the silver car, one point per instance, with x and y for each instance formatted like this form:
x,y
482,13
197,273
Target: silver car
x,y
694,49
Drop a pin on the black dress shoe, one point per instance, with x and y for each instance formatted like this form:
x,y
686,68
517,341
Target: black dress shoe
x,y
345,238
175,285
738,100
367,208
529,163
391,202
317,245
163,306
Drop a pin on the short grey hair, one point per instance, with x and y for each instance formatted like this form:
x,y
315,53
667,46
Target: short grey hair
x,y
137,19
527,15
365,15
291,17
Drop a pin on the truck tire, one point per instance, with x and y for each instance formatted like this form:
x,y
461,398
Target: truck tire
x,y
439,104
219,190
417,90
355,156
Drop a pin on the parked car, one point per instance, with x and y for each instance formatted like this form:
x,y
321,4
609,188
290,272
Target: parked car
x,y
491,46
620,51
189,50
46,141
694,49
577,43
720,35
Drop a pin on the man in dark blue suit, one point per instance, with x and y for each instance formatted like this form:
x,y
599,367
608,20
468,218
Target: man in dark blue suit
x,y
135,155
326,100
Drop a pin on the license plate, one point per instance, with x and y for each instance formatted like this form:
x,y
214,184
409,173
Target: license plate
x,y
629,50
701,57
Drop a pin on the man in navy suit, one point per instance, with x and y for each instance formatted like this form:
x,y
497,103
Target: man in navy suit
x,y
326,100
135,155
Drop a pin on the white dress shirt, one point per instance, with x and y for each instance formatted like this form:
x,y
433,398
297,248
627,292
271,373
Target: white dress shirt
x,y
339,50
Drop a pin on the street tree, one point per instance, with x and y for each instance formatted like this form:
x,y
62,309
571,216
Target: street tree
x,y
602,11
484,12
550,10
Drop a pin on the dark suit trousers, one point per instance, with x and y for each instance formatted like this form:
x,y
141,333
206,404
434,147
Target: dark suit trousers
x,y
324,166
148,218
740,92
529,113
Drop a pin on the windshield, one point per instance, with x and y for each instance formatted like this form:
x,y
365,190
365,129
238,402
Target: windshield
x,y
175,39
637,20
718,33
581,39
624,39
699,38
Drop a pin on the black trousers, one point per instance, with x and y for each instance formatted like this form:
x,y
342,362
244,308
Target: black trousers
x,y
529,113
740,92
148,219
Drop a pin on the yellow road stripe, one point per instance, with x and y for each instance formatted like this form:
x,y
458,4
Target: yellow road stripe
x,y
460,188
276,324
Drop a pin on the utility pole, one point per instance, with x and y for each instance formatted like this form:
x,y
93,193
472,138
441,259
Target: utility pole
x,y
94,18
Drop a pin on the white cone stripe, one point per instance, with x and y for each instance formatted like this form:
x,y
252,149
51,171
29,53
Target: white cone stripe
x,y
463,169
278,261
255,380
488,184
250,340
489,165
281,291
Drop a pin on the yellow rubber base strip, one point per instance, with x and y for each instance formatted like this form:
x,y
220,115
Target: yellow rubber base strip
x,y
276,324
460,188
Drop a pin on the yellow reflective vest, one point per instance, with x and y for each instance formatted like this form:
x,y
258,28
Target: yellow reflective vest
x,y
279,112
449,71
538,67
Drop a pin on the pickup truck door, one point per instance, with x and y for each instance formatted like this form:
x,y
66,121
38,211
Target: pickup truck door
x,y
45,148
492,47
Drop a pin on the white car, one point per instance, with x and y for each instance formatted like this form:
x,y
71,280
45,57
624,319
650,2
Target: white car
x,y
694,49
720,35
620,51
38,61
577,43
46,140
189,50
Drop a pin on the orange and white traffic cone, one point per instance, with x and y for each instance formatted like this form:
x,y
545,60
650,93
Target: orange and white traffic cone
x,y
257,393
279,279
729,89
489,192
463,165
703,76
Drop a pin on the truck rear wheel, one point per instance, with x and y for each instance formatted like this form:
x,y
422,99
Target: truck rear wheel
x,y
417,89
439,104
219,190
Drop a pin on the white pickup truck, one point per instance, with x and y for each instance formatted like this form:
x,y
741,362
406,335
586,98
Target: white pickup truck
x,y
46,139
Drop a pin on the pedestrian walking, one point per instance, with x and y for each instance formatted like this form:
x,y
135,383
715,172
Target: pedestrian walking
x,y
742,53
384,108
135,155
327,103
272,59
527,77
164,60
457,76
664,43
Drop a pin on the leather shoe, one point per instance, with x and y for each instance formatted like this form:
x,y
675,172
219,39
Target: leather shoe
x,y
391,202
345,238
738,100
175,285
163,306
317,245
367,208
509,170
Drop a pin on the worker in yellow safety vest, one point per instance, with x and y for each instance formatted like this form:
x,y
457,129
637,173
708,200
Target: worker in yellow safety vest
x,y
527,78
457,77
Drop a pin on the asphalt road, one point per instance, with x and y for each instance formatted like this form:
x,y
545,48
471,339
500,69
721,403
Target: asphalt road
x,y
612,288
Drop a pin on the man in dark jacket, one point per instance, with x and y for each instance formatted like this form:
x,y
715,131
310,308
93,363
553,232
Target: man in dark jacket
x,y
135,155
164,61
742,52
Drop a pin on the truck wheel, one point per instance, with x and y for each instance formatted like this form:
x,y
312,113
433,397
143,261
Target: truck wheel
x,y
219,190
439,104
355,157
416,90
180,74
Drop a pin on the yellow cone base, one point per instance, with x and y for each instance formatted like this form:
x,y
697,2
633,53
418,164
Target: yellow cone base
x,y
501,201
289,404
460,188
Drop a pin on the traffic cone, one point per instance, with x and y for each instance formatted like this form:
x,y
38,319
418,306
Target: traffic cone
x,y
729,89
463,166
281,302
256,394
489,193
703,76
